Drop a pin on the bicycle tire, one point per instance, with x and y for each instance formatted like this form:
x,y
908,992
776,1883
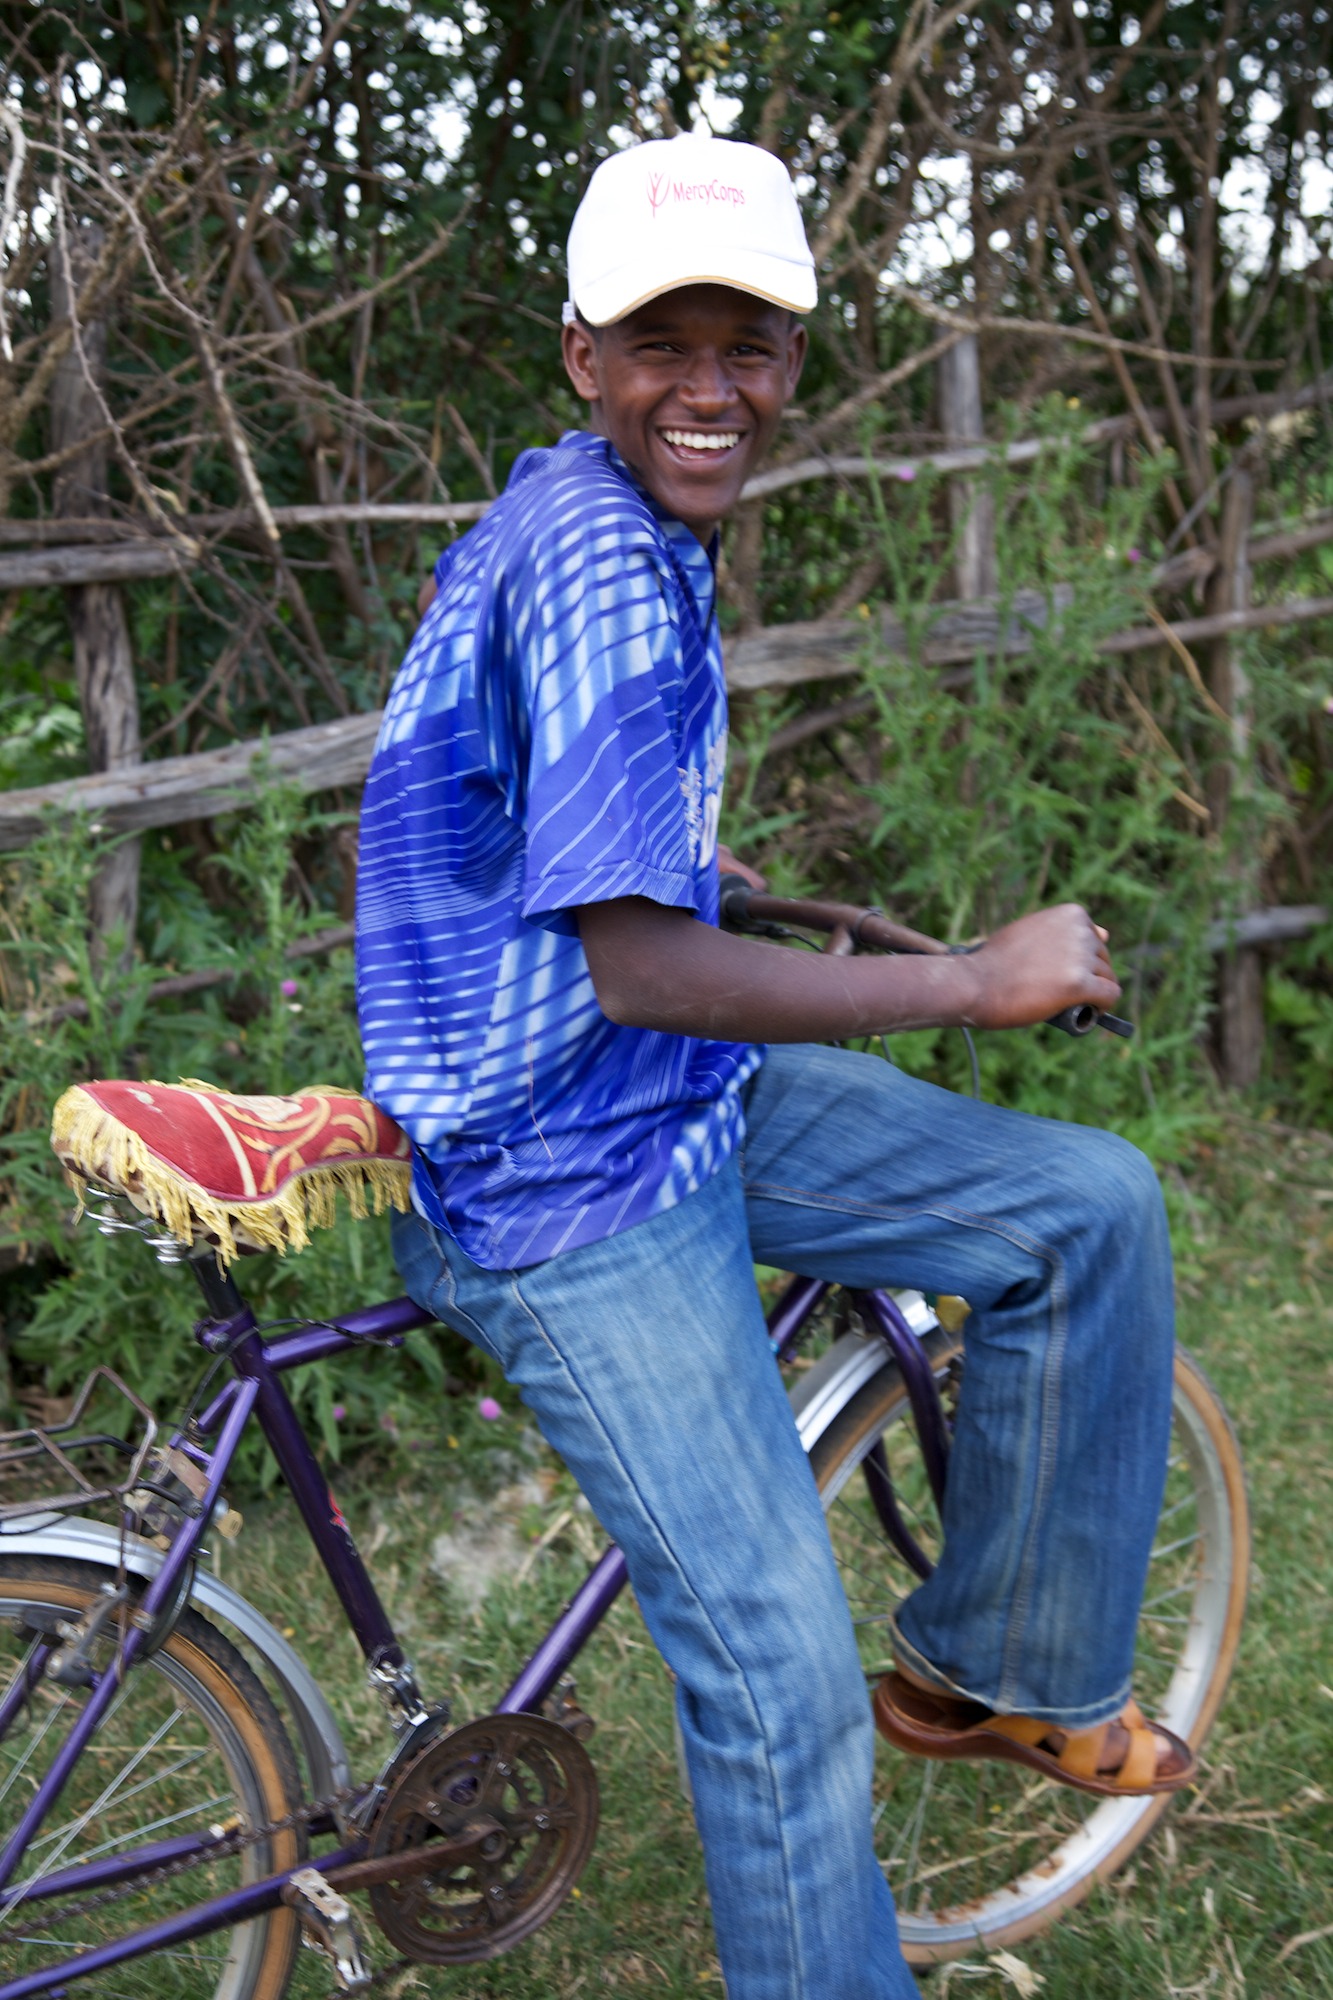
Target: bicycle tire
x,y
936,1820
200,1714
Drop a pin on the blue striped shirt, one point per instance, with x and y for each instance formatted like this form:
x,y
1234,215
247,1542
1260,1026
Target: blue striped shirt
x,y
556,736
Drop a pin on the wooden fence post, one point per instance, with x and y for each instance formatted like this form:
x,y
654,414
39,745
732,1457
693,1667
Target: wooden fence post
x,y
1240,972
103,662
971,507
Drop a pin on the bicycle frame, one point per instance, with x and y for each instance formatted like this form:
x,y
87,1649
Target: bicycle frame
x,y
256,1390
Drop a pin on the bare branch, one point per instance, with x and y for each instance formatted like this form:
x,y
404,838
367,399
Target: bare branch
x,y
254,492
923,29
814,435
1056,330
336,28
18,142
147,498
257,344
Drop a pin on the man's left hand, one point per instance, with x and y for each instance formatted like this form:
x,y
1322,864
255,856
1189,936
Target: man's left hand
x,y
727,864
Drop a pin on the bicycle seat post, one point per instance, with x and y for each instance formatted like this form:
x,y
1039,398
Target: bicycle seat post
x,y
222,1295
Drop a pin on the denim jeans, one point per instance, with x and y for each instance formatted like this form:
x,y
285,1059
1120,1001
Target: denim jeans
x,y
645,1360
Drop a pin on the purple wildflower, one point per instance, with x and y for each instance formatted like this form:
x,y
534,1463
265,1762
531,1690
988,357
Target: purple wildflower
x,y
289,989
489,1409
339,1412
1133,555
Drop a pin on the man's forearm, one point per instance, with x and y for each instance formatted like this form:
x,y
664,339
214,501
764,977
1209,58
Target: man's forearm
x,y
660,968
687,978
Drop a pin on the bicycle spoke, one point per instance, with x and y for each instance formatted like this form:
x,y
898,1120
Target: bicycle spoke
x,y
1165,1596
190,1738
108,1792
873,1542
57,1711
1185,1542
122,1798
195,1810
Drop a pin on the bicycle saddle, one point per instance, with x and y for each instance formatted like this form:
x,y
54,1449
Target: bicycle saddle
x,y
233,1173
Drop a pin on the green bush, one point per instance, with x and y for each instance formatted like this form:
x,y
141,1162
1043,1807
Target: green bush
x,y
966,797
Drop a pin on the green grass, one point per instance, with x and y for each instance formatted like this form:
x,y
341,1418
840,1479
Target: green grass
x,y
1239,1872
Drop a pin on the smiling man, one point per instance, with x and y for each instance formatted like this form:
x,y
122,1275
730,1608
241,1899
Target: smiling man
x,y
603,1147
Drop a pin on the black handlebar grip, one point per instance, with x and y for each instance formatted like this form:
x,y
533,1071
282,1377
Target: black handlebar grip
x,y
1074,1020
1082,1020
733,899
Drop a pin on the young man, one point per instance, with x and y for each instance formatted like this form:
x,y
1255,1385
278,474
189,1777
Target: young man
x,y
604,1147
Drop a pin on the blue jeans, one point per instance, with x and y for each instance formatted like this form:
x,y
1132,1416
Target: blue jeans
x,y
646,1362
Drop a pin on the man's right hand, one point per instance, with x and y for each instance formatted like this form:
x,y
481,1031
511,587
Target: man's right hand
x,y
1039,964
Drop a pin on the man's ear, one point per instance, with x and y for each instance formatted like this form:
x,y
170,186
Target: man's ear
x,y
798,346
579,348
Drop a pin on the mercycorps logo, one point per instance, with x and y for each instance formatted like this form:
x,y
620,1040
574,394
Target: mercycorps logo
x,y
661,188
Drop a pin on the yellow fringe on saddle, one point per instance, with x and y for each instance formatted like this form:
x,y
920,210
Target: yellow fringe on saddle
x,y
293,1195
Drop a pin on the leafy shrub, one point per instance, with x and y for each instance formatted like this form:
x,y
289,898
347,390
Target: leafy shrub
x,y
960,799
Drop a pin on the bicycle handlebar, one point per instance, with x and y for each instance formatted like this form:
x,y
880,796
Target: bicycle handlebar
x,y
849,928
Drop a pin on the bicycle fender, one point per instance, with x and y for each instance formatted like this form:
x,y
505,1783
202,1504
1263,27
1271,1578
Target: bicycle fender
x,y
823,1392
82,1540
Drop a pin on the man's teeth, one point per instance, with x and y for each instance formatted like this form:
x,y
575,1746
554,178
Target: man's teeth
x,y
704,440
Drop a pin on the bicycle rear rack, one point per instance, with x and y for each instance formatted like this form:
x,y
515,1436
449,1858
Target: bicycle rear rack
x,y
80,1461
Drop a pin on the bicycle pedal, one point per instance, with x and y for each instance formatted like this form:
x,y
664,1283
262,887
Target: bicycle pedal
x,y
564,1709
329,1927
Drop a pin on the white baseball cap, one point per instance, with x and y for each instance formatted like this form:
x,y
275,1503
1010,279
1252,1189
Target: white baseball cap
x,y
687,211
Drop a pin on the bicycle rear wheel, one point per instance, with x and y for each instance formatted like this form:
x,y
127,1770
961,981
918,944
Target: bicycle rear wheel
x,y
192,1742
984,1854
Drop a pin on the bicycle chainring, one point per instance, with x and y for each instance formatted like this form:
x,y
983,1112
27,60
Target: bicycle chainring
x,y
532,1788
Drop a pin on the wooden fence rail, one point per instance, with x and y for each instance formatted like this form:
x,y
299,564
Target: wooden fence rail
x,y
199,786
61,552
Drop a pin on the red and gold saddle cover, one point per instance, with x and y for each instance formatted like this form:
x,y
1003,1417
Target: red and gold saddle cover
x,y
239,1173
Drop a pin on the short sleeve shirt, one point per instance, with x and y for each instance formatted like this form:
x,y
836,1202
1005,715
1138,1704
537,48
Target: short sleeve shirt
x,y
555,736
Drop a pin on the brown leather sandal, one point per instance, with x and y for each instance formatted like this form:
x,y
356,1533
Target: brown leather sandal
x,y
1121,1758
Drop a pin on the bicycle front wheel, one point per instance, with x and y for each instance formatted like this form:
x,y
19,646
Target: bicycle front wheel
x,y
192,1743
984,1854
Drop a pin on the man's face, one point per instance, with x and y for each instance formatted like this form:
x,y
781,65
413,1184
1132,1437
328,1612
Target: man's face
x,y
690,390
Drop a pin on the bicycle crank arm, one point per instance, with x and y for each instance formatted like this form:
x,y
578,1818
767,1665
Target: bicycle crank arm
x,y
409,1861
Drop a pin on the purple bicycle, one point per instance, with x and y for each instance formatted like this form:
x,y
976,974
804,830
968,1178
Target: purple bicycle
x,y
178,1810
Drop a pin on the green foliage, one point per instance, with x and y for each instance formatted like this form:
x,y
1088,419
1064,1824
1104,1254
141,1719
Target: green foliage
x,y
42,740
1301,1051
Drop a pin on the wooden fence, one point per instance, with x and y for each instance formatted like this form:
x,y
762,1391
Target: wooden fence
x,y
168,790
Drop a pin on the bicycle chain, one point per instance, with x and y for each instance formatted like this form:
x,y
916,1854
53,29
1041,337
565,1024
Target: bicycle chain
x,y
234,1843
169,1871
